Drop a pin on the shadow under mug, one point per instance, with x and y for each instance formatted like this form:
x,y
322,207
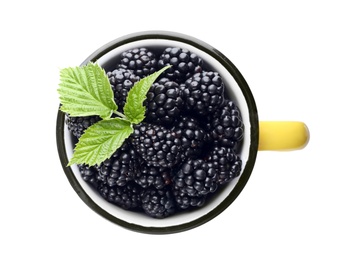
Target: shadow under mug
x,y
274,136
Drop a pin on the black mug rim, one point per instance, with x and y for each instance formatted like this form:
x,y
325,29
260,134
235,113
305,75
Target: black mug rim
x,y
254,132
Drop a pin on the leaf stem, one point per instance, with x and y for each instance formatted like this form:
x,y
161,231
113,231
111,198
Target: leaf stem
x,y
119,114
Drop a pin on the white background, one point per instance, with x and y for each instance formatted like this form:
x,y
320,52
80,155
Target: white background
x,y
288,53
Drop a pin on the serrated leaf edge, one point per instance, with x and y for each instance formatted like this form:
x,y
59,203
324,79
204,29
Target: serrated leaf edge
x,y
76,84
143,85
83,154
134,109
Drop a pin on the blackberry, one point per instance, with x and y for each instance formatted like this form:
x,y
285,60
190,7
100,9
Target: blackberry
x,y
89,174
157,145
77,125
140,60
193,137
121,81
183,63
127,196
158,203
164,102
158,177
226,125
226,162
184,201
196,178
203,93
120,168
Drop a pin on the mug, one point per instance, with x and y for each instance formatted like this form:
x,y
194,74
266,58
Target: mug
x,y
258,136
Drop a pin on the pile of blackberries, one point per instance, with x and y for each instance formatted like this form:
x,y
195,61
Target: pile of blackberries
x,y
186,147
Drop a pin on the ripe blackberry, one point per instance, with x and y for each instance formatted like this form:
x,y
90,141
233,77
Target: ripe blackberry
x,y
157,145
89,174
226,126
196,178
127,196
226,162
164,102
77,125
120,168
193,137
184,63
140,60
121,81
158,203
203,93
184,201
158,177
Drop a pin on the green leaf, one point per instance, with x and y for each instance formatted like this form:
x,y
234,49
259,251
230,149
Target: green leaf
x,y
86,91
100,141
134,109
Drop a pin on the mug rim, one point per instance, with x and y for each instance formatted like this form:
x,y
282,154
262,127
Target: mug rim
x,y
254,133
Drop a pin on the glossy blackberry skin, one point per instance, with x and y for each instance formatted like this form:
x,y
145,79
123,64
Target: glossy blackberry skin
x,y
184,201
193,137
120,168
150,176
140,60
158,203
196,178
121,81
117,170
127,196
114,178
226,126
226,162
164,102
203,93
183,63
77,125
157,145
89,174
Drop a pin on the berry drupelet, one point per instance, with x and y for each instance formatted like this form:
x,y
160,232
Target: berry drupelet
x,y
127,196
193,137
164,102
203,93
77,125
226,162
157,145
226,126
120,168
89,174
157,177
184,201
183,63
121,81
196,178
140,60
158,203
114,177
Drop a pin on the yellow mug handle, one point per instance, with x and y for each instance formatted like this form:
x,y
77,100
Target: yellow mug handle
x,y
282,135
